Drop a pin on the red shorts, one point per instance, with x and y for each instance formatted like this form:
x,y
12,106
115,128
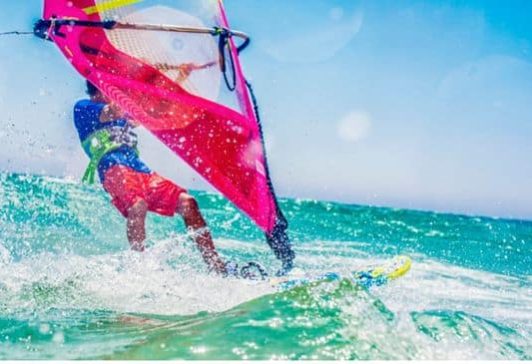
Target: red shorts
x,y
127,187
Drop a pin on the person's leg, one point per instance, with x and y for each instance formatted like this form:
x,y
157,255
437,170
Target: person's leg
x,y
136,225
166,198
126,188
188,208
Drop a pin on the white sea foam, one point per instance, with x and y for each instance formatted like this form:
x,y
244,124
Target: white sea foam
x,y
5,256
170,278
162,280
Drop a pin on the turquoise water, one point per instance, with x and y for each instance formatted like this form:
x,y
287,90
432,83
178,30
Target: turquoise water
x,y
70,289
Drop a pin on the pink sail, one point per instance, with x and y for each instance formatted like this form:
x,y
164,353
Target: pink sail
x,y
183,102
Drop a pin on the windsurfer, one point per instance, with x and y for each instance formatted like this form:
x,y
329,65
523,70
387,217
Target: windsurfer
x,y
108,139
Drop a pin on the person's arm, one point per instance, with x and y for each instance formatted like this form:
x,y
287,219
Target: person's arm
x,y
134,124
110,113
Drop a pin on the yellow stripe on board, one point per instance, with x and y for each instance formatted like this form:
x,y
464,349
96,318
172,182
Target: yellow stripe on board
x,y
109,5
401,271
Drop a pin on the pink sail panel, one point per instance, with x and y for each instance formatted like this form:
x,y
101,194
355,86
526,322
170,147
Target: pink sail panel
x,y
222,144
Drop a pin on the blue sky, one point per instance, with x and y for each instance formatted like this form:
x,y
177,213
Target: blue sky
x,y
417,104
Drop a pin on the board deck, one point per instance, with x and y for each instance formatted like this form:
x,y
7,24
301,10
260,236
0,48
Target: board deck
x,y
374,275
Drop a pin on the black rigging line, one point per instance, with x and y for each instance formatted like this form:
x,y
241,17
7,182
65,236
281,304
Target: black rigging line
x,y
278,240
16,32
